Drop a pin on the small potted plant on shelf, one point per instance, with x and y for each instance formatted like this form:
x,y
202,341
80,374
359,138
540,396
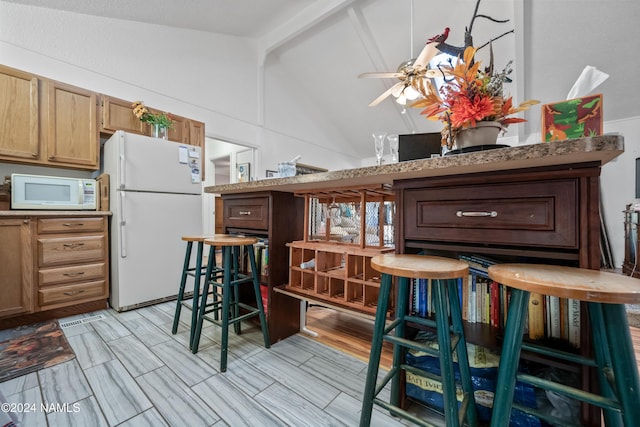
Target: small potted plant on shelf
x,y
160,122
472,99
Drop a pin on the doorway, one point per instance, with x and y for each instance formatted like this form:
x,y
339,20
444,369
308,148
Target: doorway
x,y
220,167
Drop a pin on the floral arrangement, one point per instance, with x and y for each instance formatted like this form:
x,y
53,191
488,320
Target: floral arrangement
x,y
143,113
472,95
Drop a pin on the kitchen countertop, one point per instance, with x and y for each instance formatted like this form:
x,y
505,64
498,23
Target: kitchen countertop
x,y
600,149
22,213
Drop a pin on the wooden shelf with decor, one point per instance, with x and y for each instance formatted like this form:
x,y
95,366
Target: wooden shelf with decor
x,y
343,229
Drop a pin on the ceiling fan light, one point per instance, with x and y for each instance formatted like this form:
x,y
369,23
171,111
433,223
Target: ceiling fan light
x,y
411,93
401,99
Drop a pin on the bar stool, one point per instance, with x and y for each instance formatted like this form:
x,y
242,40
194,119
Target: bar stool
x,y
196,272
226,304
606,295
448,324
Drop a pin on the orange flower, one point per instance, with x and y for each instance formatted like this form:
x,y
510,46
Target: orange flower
x,y
465,110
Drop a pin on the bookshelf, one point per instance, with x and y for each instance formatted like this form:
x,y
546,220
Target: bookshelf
x,y
538,215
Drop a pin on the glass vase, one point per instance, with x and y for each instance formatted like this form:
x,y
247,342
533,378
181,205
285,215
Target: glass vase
x,y
159,131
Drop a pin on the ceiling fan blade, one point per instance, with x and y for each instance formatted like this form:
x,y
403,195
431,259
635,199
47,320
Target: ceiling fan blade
x,y
379,75
428,52
435,72
385,94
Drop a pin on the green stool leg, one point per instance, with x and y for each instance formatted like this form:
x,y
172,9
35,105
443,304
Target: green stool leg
x,y
226,297
461,351
256,289
601,346
195,340
376,350
446,358
183,282
235,297
623,361
510,357
399,350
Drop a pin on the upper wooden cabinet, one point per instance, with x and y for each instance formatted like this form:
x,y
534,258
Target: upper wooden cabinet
x,y
20,132
196,133
70,125
117,114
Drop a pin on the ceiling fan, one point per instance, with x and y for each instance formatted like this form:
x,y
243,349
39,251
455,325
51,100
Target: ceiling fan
x,y
410,72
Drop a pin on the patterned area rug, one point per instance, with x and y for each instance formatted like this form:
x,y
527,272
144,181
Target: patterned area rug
x,y
28,348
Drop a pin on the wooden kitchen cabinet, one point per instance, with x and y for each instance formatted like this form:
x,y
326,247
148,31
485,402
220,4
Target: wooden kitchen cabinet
x,y
179,130
72,261
70,126
196,134
20,130
274,217
117,114
16,267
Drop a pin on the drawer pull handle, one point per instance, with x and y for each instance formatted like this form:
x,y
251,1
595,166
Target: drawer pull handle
x,y
74,292
244,213
73,245
73,224
79,273
492,214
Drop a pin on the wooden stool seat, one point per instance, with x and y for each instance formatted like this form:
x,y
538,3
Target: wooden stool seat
x,y
444,274
420,266
229,240
569,282
605,294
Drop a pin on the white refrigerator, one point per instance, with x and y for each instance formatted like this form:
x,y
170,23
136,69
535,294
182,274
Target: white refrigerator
x,y
155,197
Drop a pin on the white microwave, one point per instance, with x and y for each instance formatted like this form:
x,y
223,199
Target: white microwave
x,y
52,192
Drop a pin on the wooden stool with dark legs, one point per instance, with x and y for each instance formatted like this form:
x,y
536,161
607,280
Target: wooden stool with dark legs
x,y
226,306
444,273
196,272
606,295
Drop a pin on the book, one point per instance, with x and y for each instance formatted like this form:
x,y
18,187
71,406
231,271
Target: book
x,y
536,316
573,309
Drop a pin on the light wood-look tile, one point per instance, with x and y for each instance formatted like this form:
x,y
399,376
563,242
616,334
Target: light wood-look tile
x,y
83,413
20,384
292,353
232,405
135,357
90,349
294,409
64,383
336,356
296,379
347,409
120,395
246,377
176,402
149,418
156,316
35,416
110,328
146,332
190,368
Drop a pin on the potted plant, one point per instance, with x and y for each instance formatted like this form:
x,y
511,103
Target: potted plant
x,y
160,122
472,99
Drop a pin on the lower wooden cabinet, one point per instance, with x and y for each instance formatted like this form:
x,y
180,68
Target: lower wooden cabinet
x,y
52,262
72,261
16,267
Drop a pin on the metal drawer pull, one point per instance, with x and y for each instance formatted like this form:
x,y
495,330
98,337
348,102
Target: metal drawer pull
x,y
74,292
244,213
73,224
492,214
73,245
79,273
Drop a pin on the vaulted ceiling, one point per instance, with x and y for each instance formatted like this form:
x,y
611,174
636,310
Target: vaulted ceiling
x,y
318,48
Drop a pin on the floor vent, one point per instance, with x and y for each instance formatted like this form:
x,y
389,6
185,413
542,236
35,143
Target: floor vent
x,y
70,323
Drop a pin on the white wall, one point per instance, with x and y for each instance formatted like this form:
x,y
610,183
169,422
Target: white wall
x,y
208,77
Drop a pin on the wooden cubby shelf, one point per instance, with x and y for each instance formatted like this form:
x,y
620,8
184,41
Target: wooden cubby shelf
x,y
341,275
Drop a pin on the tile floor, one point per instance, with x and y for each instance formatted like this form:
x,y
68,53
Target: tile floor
x,y
131,371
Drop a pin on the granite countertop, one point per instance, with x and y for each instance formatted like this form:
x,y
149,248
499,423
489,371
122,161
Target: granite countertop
x,y
23,213
600,149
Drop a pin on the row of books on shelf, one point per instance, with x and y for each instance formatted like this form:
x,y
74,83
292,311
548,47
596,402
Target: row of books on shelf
x,y
483,300
261,252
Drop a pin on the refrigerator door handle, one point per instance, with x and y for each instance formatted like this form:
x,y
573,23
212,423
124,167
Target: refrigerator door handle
x,y
122,225
122,163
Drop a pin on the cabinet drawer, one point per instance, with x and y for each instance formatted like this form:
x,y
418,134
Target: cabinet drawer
x,y
70,250
74,273
247,213
66,225
528,213
75,293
